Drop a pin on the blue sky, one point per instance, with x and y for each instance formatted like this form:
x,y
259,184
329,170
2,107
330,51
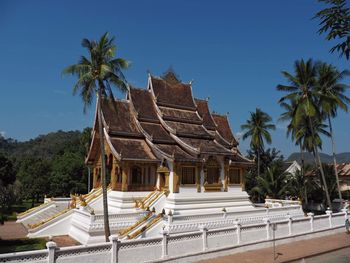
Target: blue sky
x,y
233,51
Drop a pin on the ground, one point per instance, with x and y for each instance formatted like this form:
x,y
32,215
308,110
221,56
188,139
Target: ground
x,y
15,234
338,256
295,251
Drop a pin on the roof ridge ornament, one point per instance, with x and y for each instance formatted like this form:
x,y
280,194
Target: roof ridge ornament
x,y
170,76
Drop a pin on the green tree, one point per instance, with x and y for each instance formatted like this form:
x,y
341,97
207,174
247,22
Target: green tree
x,y
303,96
335,22
67,174
273,183
34,174
8,186
267,157
7,173
96,75
257,128
331,97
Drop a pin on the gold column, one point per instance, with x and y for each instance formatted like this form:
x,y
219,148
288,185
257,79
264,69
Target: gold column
x,y
125,178
94,178
113,175
166,184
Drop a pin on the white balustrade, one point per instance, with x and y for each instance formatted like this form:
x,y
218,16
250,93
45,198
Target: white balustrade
x,y
184,244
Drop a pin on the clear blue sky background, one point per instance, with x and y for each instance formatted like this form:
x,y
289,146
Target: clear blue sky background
x,y
233,50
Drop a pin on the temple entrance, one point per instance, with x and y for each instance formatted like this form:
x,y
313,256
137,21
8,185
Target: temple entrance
x,y
212,175
161,181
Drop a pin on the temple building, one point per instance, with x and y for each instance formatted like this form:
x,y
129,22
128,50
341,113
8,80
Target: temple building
x,y
162,138
171,165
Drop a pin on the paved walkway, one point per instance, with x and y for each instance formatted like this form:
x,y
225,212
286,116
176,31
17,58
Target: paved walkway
x,y
294,251
13,230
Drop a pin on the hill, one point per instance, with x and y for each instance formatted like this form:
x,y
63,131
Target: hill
x,y
341,157
44,146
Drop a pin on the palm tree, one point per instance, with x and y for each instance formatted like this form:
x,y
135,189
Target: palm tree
x,y
96,75
332,97
273,183
303,95
334,21
292,129
258,127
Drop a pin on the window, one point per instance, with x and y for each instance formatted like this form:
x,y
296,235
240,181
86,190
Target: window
x,y
136,175
213,175
235,176
188,175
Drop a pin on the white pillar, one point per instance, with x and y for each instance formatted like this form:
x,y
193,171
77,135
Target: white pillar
x,y
165,235
222,172
201,174
170,218
171,176
51,247
311,216
204,231
115,248
345,211
238,226
289,217
329,213
267,222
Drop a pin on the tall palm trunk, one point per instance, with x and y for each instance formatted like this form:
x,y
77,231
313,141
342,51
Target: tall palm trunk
x,y
329,203
258,154
334,159
103,167
303,171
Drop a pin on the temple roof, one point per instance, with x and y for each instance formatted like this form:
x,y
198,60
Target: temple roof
x,y
177,153
174,95
157,133
203,110
224,129
188,129
206,146
119,119
180,115
164,121
132,149
143,103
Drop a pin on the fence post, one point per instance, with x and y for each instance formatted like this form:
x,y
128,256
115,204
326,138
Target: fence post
x,y
329,213
289,217
165,235
204,231
267,222
311,216
345,211
238,225
170,218
51,249
115,248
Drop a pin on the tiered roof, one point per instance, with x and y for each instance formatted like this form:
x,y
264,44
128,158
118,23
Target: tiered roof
x,y
164,121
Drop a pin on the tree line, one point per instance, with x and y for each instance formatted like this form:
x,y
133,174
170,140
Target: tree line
x,y
51,165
